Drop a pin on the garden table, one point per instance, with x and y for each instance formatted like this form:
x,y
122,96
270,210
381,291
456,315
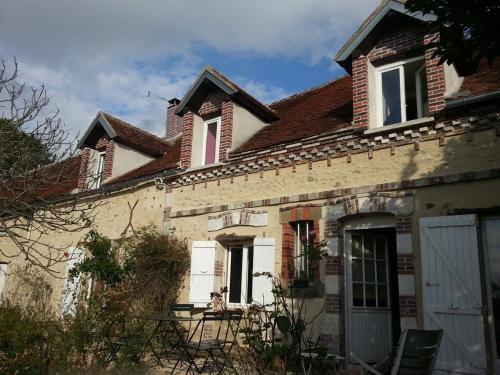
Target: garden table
x,y
311,356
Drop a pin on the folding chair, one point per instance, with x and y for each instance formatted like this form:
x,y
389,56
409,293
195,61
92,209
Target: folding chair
x,y
416,355
217,349
174,333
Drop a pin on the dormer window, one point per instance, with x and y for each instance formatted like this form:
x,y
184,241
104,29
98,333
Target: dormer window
x,y
100,169
211,141
402,92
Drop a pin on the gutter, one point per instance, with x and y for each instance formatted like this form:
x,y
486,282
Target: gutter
x,y
455,103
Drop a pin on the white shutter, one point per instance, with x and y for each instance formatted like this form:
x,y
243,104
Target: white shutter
x,y
451,288
3,274
202,272
263,261
71,288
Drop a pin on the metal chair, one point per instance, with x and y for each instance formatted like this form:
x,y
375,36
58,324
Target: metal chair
x,y
174,333
216,349
416,355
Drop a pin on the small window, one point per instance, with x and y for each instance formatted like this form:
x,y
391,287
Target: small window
x,y
211,140
240,274
100,169
303,237
402,92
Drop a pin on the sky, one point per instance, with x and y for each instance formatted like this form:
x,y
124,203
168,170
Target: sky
x,y
94,55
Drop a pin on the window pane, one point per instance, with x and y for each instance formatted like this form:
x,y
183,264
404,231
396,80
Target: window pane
x,y
235,275
369,271
381,272
357,295
380,244
211,143
356,246
357,270
369,249
382,296
371,300
391,97
250,275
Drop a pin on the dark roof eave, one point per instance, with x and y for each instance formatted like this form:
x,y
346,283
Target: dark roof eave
x,y
460,102
101,120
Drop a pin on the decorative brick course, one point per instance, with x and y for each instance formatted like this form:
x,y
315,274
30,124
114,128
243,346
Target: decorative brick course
x,y
407,306
398,42
333,303
406,264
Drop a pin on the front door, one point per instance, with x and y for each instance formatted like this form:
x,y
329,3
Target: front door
x,y
368,291
451,285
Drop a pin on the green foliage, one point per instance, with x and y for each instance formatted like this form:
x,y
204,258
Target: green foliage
x,y
103,263
20,152
469,30
144,279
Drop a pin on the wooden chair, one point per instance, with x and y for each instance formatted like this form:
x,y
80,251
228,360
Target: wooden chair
x,y
416,355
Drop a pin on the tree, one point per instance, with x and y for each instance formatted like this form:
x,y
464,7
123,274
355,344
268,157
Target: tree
x,y
39,165
468,31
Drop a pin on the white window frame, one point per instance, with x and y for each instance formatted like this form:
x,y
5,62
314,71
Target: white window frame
x,y
301,263
398,66
244,275
217,139
420,97
101,160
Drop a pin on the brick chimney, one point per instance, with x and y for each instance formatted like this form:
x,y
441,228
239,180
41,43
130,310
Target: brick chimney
x,y
174,122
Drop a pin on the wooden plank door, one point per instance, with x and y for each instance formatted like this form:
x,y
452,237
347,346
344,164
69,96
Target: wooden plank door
x,y
451,285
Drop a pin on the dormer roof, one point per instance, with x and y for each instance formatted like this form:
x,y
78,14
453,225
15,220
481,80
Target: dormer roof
x,y
371,25
209,79
124,133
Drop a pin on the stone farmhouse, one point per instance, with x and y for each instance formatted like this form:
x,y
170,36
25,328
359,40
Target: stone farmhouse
x,y
396,165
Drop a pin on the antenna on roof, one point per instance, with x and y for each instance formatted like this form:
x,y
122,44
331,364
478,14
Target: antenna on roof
x,y
156,96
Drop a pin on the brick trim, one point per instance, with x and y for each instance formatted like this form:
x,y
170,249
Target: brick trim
x,y
187,140
83,173
333,265
407,306
108,160
403,223
226,133
334,304
406,264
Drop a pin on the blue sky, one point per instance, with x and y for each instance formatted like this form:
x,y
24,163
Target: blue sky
x,y
107,54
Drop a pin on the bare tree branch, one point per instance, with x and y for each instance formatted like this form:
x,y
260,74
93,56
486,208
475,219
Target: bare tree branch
x,y
39,162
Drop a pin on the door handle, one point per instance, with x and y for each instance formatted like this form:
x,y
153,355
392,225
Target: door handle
x,y
432,284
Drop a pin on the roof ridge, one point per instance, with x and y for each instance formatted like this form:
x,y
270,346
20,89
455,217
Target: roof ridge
x,y
135,127
306,91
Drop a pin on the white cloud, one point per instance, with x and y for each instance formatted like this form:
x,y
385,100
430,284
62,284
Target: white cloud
x,y
106,54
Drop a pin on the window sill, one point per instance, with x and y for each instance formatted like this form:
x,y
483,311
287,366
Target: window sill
x,y
401,125
316,290
206,166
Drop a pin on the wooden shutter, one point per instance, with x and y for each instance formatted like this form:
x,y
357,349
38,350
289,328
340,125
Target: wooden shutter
x,y
451,288
263,261
202,272
71,288
3,274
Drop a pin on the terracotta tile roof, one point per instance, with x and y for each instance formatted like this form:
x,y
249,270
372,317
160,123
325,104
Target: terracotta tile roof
x,y
486,79
319,110
45,183
137,138
169,160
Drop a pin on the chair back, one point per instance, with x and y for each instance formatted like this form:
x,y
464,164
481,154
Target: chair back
x,y
178,309
417,353
227,324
